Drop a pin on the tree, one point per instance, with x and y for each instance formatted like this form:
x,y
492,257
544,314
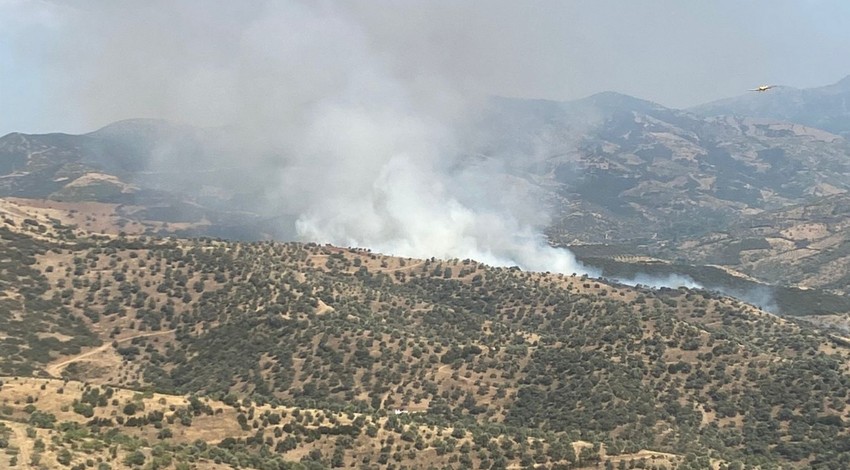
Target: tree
x,y
84,409
64,457
136,458
41,419
130,409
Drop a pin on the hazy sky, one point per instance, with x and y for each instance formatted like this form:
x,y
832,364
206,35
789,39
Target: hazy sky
x,y
74,66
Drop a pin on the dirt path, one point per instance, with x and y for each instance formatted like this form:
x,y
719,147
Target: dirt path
x,y
402,268
55,370
23,443
323,308
446,373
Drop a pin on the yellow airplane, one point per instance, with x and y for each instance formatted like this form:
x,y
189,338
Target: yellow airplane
x,y
763,88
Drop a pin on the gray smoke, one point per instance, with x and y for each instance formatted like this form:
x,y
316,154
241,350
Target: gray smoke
x,y
761,296
201,60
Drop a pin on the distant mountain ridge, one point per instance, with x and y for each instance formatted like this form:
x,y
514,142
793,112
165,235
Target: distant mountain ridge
x,y
683,186
154,169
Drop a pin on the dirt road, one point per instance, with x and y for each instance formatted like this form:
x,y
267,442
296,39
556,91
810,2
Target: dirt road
x,y
22,442
55,370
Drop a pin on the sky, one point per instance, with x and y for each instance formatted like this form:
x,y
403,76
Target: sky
x,y
73,66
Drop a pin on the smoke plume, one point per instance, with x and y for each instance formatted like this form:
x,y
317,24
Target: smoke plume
x,y
369,141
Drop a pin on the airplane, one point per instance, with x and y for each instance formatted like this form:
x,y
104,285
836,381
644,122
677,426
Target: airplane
x,y
762,88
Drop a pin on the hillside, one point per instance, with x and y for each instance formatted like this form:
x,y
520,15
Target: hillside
x,y
658,173
163,176
802,245
384,362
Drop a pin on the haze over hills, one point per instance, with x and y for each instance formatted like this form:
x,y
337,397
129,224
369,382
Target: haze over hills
x,y
642,170
612,169
153,169
615,166
802,245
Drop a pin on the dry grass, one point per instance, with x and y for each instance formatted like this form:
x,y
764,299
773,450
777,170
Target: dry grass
x,y
57,397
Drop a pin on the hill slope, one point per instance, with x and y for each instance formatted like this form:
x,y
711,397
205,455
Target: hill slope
x,y
801,245
514,363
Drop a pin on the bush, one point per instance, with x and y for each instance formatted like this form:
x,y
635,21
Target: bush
x,y
41,419
64,457
130,409
136,458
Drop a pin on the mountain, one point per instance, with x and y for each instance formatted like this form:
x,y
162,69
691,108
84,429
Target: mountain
x,y
261,355
149,171
621,169
631,178
612,167
625,169
826,107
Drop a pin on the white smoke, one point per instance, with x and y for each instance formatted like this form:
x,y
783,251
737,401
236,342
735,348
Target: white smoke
x,y
761,296
378,165
367,106
655,282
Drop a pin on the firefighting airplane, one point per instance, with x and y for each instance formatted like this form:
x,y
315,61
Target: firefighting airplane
x,y
763,88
